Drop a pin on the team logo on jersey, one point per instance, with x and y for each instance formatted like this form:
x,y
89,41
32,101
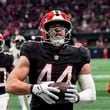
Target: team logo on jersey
x,y
56,57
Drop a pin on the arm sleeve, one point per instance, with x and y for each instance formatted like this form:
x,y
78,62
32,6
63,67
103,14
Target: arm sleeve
x,y
88,91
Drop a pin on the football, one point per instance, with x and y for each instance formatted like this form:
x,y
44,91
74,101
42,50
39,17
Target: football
x,y
60,85
63,86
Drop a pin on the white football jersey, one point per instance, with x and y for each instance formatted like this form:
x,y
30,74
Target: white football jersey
x,y
16,54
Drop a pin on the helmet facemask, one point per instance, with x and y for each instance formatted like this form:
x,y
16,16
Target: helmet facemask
x,y
57,34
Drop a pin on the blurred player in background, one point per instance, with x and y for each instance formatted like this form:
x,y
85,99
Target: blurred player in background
x,y
16,43
53,60
108,87
6,64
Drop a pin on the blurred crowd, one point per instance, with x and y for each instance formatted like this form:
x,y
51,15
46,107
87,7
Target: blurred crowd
x,y
18,16
87,16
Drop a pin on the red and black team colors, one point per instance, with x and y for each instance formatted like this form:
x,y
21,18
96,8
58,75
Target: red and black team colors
x,y
49,65
51,61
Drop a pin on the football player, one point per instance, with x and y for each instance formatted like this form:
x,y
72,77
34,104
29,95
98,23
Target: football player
x,y
50,61
16,43
6,63
108,87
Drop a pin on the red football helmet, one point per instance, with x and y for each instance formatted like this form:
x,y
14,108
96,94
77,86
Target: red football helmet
x,y
2,43
55,17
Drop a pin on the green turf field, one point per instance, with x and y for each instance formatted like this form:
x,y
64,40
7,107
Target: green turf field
x,y
101,73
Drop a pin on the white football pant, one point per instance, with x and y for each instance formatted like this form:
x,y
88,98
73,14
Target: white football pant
x,y
22,103
4,98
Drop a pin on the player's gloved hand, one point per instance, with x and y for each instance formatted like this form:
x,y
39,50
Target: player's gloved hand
x,y
45,92
71,94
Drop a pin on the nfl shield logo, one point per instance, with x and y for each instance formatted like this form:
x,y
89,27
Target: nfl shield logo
x,y
56,57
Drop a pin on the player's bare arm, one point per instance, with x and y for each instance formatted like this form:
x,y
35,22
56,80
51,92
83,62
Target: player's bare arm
x,y
15,84
85,69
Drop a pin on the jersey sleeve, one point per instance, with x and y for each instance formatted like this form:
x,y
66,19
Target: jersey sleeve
x,y
10,60
29,49
25,50
85,54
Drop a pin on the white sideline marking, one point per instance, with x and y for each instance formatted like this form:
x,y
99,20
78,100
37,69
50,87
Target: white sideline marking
x,y
98,109
101,76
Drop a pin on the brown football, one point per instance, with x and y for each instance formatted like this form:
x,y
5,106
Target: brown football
x,y
63,86
60,85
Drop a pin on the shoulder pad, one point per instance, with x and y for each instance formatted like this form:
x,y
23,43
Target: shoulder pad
x,y
85,53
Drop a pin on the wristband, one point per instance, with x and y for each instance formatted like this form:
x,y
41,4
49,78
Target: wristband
x,y
2,89
31,89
